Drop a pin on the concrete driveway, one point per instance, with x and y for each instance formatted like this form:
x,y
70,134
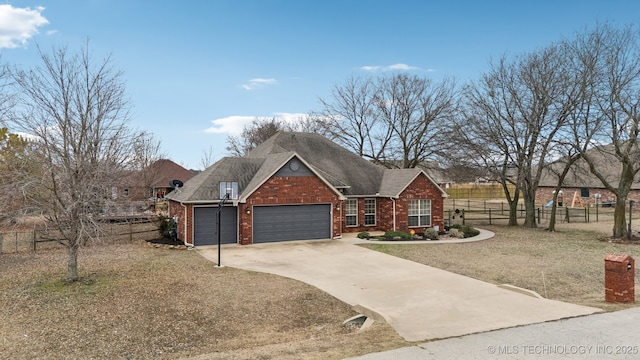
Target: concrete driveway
x,y
419,301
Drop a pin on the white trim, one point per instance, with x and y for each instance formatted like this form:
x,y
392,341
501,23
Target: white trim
x,y
346,214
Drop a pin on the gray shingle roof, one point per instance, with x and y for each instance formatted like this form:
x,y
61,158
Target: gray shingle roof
x,y
339,167
205,186
580,176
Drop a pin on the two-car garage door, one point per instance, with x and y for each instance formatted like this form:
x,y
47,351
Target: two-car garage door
x,y
270,224
291,222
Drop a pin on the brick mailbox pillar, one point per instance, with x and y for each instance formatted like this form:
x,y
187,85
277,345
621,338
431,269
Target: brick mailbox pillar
x,y
619,271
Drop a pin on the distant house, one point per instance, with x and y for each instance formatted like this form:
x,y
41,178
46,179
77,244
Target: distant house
x,y
153,182
582,188
298,186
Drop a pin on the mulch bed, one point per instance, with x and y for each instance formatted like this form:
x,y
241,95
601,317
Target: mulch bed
x,y
166,243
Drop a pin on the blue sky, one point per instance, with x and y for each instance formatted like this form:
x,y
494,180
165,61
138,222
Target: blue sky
x,y
197,71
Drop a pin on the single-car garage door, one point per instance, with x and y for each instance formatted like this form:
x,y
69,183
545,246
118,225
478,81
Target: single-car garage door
x,y
291,222
205,227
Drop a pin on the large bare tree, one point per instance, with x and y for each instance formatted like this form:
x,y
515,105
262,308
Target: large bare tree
x,y
76,110
608,124
396,120
354,118
516,110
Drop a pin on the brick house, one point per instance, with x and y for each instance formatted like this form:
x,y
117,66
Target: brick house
x,y
298,186
580,187
154,181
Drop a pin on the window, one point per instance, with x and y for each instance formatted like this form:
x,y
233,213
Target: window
x,y
351,212
419,213
584,192
126,191
229,187
369,212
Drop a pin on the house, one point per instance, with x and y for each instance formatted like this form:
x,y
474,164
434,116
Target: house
x,y
580,187
298,186
154,181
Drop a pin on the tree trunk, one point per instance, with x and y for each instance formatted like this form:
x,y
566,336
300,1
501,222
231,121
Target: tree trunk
x,y
72,262
554,210
513,213
530,209
619,219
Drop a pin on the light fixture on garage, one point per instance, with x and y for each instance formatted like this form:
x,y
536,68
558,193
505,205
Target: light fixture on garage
x,y
248,211
338,206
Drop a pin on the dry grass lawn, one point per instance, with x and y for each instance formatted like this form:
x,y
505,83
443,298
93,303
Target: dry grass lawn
x,y
139,302
567,265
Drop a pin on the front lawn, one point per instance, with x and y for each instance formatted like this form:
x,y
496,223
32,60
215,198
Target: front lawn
x,y
567,265
139,302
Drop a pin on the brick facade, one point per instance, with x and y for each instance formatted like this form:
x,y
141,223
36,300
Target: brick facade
x,y
296,190
289,190
619,279
185,220
420,188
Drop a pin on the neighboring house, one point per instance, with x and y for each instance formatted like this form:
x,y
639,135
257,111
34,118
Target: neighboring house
x,y
299,186
155,181
580,187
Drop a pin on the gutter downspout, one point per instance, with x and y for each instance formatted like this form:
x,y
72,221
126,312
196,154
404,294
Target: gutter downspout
x,y
393,201
185,227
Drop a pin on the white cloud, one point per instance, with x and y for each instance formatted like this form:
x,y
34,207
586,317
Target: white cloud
x,y
17,25
230,125
233,125
394,67
258,83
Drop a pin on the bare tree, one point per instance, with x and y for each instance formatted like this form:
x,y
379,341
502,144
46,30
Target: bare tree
x,y
418,111
516,110
609,121
253,135
146,151
354,119
396,120
77,112
260,129
207,158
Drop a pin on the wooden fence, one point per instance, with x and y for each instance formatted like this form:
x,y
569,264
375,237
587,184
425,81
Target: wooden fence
x,y
40,239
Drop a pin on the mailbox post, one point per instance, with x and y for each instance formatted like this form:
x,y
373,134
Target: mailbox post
x,y
619,274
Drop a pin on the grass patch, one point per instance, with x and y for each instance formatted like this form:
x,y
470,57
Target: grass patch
x,y
567,265
139,302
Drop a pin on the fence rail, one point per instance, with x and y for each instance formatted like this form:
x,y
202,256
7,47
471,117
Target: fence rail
x,y
34,239
461,211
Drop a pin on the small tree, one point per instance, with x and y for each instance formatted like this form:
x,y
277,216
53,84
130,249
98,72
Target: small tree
x,y
76,110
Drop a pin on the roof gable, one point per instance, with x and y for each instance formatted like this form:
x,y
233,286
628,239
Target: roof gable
x,y
339,166
395,181
272,165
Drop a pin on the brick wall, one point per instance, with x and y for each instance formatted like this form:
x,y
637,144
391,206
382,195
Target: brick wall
x,y
185,233
283,190
619,279
420,188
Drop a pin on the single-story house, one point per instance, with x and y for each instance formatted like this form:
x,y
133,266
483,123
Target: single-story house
x,y
299,186
580,187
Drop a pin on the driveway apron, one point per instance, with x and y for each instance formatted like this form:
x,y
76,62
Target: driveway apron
x,y
420,302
